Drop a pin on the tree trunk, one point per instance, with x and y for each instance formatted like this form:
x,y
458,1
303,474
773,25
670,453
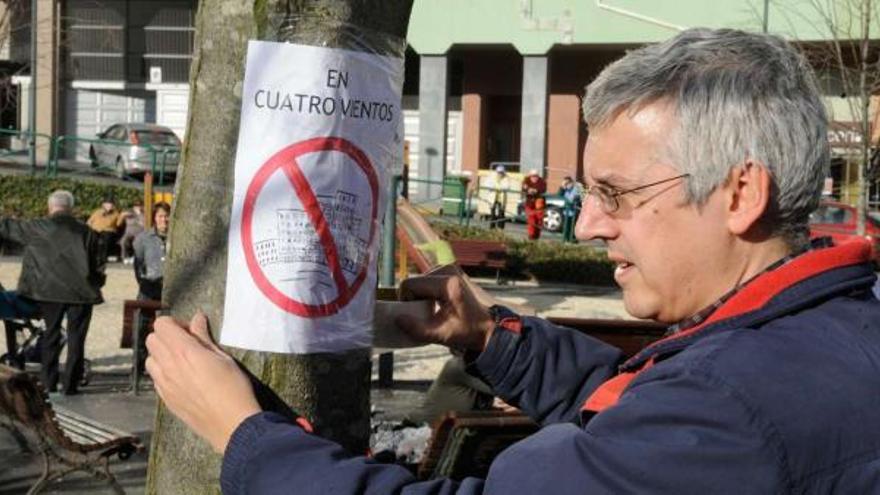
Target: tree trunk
x,y
332,390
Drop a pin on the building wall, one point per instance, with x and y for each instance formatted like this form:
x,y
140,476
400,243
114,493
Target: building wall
x,y
125,61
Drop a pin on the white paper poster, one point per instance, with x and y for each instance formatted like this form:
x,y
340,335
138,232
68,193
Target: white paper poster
x,y
320,129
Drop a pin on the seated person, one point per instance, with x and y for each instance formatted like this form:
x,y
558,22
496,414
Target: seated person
x,y
14,307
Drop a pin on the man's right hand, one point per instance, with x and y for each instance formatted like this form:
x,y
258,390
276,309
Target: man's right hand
x,y
460,322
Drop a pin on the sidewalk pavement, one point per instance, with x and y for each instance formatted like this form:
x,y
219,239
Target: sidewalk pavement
x,y
107,397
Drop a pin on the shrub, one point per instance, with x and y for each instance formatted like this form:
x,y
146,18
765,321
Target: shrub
x,y
455,232
546,261
553,261
24,196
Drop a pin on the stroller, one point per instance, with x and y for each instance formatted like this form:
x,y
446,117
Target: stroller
x,y
24,329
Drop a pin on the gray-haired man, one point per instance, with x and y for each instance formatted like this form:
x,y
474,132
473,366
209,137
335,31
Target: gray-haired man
x,y
62,272
706,155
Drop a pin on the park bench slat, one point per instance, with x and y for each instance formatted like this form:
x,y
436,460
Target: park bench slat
x,y
86,430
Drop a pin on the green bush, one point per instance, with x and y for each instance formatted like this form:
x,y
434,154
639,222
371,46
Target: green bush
x,y
24,196
552,261
455,232
546,261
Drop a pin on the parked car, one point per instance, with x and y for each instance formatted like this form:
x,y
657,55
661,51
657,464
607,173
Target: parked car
x,y
554,204
128,149
838,220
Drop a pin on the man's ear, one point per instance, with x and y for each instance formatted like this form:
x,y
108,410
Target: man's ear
x,y
748,189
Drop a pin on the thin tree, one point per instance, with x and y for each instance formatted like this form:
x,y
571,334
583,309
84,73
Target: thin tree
x,y
850,56
332,390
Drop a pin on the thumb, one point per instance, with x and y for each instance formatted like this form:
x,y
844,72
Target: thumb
x,y
198,326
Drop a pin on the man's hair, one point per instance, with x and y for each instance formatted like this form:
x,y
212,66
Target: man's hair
x,y
736,96
61,199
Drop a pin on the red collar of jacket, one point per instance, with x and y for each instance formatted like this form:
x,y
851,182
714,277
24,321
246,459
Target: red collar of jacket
x,y
750,298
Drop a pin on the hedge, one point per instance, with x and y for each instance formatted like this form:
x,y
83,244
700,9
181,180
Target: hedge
x,y
549,261
23,196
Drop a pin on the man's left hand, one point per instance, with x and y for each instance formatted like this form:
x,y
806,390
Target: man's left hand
x,y
200,384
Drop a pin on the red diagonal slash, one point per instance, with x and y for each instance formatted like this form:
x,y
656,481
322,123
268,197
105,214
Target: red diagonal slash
x,y
286,160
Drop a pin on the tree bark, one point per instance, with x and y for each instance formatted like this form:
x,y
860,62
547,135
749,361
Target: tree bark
x,y
331,390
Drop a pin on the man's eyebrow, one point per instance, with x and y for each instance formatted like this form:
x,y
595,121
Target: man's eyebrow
x,y
612,180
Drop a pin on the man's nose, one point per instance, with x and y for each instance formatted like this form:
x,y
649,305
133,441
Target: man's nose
x,y
593,222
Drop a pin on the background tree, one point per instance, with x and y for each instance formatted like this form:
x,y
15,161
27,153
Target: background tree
x,y
848,63
332,390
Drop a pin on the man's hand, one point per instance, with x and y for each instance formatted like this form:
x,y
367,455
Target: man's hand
x,y
200,384
461,322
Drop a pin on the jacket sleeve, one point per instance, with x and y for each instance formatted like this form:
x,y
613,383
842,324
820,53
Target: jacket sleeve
x,y
97,261
93,218
12,230
678,431
546,370
138,247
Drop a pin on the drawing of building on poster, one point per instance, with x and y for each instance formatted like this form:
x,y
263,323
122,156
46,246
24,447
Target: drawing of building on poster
x,y
298,242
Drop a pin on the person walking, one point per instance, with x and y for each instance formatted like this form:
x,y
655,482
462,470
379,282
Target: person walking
x,y
62,273
499,185
533,189
570,209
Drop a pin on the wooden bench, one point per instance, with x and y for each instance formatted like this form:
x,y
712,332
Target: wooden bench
x,y
134,314
480,254
630,336
67,441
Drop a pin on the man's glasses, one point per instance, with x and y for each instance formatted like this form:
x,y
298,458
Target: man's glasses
x,y
607,196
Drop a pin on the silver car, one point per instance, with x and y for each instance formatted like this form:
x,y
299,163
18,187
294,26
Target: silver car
x,y
130,148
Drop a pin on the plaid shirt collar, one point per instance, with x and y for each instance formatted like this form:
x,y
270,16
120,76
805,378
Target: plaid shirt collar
x,y
703,314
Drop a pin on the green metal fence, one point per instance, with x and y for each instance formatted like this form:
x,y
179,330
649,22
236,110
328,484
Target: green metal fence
x,y
26,138
454,199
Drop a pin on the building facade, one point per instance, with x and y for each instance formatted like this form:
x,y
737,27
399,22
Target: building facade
x,y
494,81
516,70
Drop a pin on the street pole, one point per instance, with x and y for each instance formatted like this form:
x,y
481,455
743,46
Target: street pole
x,y
32,92
766,14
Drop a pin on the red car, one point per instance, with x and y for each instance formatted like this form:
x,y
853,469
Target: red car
x,y
838,220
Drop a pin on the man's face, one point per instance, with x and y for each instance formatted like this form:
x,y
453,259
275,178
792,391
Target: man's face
x,y
108,206
669,254
162,221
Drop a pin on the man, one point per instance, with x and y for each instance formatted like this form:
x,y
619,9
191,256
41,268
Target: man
x,y
149,255
499,185
706,155
571,196
106,221
533,189
62,272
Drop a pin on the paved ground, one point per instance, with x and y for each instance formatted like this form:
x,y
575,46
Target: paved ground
x,y
107,397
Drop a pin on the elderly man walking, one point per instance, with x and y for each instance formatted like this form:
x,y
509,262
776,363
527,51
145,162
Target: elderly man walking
x,y
62,272
705,157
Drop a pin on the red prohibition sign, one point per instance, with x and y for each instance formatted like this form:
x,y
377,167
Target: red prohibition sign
x,y
286,161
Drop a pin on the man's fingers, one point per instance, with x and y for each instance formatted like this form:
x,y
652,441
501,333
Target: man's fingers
x,y
158,348
198,326
177,338
437,329
434,287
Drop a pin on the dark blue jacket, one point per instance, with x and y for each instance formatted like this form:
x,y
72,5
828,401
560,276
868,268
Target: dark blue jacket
x,y
778,392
